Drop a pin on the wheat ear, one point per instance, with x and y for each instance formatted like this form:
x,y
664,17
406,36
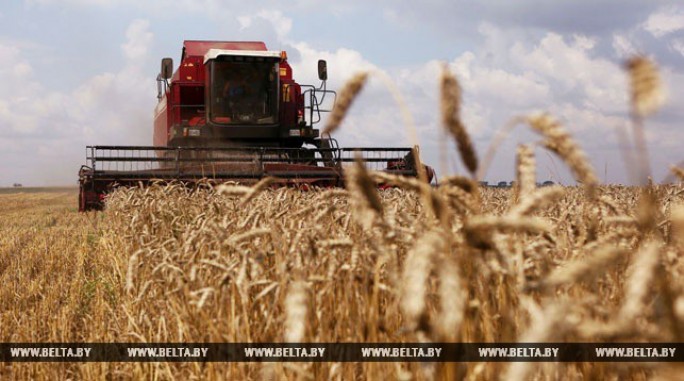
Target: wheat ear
x,y
451,118
347,95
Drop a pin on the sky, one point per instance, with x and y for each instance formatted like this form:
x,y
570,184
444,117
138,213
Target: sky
x,y
82,72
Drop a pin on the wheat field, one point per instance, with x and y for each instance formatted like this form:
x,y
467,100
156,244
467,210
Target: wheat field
x,y
170,264
411,263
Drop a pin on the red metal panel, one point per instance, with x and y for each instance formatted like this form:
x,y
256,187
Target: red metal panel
x,y
189,70
175,111
285,71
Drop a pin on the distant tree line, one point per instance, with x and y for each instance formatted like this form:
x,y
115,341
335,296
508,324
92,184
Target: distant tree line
x,y
504,184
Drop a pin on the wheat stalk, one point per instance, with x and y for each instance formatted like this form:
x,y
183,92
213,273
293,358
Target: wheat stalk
x,y
583,268
364,194
640,276
452,299
256,189
464,183
677,172
419,263
525,171
646,88
296,312
561,143
537,200
451,118
346,97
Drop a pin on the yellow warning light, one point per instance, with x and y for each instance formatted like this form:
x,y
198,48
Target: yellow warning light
x,y
283,55
286,92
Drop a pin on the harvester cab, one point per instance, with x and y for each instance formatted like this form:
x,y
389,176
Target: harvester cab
x,y
233,111
243,94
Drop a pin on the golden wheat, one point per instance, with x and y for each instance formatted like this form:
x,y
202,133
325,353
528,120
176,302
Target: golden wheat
x,y
647,92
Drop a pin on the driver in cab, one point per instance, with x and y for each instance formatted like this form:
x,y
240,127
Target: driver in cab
x,y
238,89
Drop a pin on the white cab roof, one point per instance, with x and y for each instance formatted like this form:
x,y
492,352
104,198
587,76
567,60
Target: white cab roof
x,y
213,53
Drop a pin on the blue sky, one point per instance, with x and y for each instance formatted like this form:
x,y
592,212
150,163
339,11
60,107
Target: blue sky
x,y
79,72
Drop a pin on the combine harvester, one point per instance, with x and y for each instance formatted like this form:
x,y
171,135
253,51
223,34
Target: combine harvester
x,y
233,112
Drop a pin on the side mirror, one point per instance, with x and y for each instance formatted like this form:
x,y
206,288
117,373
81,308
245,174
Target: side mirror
x,y
166,68
322,70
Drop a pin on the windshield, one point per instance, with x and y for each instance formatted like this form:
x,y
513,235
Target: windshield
x,y
244,92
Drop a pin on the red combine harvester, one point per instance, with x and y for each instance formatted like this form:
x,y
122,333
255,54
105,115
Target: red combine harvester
x,y
233,112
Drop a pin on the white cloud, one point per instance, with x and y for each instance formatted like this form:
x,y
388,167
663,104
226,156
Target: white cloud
x,y
573,67
342,63
373,111
139,40
53,127
665,21
677,45
506,88
22,70
14,71
282,24
507,76
244,21
583,43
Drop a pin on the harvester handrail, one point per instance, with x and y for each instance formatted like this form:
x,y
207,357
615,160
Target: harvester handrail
x,y
209,148
141,148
